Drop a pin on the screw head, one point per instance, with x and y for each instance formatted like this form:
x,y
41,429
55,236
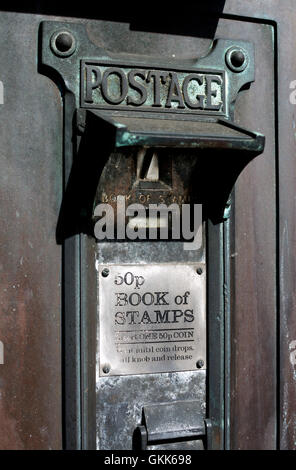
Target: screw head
x,y
105,272
200,363
63,43
236,59
106,369
199,271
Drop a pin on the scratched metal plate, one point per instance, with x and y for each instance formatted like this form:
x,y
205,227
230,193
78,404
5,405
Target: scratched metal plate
x,y
152,318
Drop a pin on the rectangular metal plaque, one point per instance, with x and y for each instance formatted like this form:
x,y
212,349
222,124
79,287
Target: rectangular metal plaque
x,y
132,88
152,318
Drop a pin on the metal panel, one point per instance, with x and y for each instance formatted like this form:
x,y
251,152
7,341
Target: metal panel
x,y
120,399
253,257
30,276
283,19
116,424
224,28
152,318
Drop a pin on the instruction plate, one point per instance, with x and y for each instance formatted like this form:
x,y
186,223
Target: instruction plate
x,y
152,318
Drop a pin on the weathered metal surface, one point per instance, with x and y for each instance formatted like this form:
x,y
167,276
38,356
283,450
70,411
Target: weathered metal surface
x,y
216,334
172,425
254,366
166,421
226,146
260,355
119,177
283,21
97,79
111,85
120,398
30,270
88,343
100,79
148,252
152,318
131,394
252,287
286,231
213,134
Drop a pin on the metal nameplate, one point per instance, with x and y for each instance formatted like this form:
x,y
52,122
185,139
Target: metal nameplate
x,y
152,318
138,84
107,85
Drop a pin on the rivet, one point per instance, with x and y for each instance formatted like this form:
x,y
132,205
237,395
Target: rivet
x,y
236,59
105,272
106,369
63,43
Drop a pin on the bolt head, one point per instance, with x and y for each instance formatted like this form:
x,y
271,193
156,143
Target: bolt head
x,y
105,272
237,59
106,369
200,363
63,43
